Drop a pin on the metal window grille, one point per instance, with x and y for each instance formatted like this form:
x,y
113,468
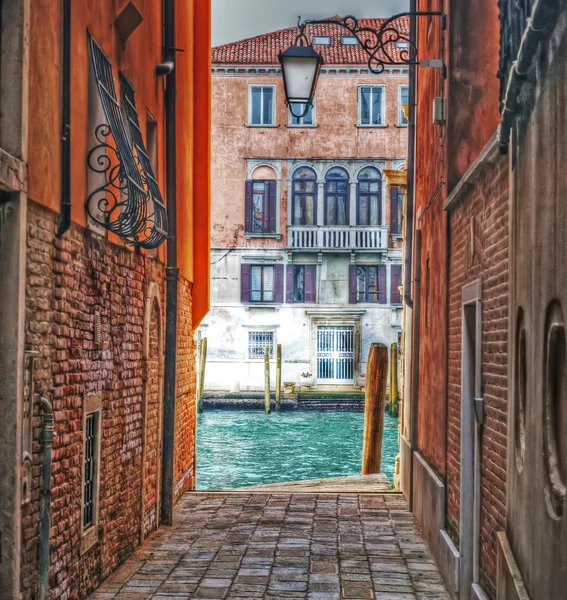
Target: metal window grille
x,y
155,232
119,205
257,341
90,470
335,354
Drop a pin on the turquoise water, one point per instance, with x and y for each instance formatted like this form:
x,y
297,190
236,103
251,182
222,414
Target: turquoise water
x,y
237,448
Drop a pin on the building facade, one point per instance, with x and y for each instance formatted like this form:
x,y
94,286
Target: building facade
x,y
94,449
306,233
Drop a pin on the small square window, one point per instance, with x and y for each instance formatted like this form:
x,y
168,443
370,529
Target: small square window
x,y
262,104
403,100
321,40
371,105
257,342
349,40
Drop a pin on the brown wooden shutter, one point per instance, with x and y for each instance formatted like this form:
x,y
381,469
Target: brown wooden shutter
x,y
289,284
245,283
352,284
382,299
248,202
270,207
278,283
395,282
393,210
310,283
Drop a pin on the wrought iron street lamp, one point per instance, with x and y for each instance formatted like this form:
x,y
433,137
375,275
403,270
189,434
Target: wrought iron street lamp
x,y
301,65
387,46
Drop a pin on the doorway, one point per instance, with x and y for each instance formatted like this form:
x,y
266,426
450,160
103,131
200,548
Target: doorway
x,y
471,431
335,355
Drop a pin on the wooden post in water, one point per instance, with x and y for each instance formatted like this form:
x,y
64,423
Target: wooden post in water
x,y
375,400
201,382
278,375
393,377
267,380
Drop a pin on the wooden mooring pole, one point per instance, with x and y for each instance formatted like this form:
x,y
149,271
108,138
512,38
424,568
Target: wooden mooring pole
x,y
267,380
278,375
375,400
201,383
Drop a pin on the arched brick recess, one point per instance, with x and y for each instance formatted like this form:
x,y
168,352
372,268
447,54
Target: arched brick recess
x,y
153,406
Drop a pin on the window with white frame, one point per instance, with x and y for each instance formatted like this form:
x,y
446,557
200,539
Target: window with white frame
x,y
403,99
371,105
321,40
308,120
262,105
258,341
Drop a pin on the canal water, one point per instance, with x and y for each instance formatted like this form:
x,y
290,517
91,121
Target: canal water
x,y
237,448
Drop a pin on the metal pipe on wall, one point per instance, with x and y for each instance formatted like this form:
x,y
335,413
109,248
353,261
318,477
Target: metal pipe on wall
x,y
172,270
45,497
409,220
65,212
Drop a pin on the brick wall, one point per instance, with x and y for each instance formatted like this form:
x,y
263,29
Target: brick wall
x,y
67,281
486,204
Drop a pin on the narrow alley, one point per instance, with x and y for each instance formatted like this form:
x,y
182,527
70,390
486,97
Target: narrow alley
x,y
245,545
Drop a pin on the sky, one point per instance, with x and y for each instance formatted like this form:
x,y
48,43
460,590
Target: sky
x,y
238,19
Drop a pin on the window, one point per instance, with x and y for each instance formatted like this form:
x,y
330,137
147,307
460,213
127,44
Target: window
x,y
371,105
257,342
402,44
349,40
91,470
396,210
301,283
262,105
304,190
262,283
261,206
369,197
307,121
367,283
336,197
403,99
395,283
321,40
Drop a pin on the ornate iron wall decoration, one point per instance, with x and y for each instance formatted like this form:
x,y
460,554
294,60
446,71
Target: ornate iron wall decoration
x,y
124,203
390,45
155,231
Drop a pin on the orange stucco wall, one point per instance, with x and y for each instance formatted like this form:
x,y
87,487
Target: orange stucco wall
x,y
137,57
335,136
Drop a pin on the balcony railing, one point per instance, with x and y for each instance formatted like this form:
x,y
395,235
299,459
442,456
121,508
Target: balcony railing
x,y
337,238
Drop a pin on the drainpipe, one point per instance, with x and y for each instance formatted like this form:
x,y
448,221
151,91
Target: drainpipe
x,y
45,497
416,316
171,271
409,222
65,212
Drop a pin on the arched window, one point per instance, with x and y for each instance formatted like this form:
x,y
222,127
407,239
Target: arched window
x,y
336,197
304,193
261,201
369,211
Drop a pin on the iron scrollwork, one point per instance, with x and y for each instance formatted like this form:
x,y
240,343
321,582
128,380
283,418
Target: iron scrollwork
x,y
124,200
390,45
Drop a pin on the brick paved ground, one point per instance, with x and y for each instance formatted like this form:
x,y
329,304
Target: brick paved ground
x,y
321,547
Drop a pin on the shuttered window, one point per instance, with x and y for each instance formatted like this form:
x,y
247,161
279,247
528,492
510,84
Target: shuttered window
x,y
395,283
261,206
367,283
301,284
262,283
396,210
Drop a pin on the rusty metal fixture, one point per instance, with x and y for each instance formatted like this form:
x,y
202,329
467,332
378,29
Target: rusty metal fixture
x,y
97,329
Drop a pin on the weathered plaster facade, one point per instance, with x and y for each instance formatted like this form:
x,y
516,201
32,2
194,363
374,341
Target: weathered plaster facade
x,y
243,152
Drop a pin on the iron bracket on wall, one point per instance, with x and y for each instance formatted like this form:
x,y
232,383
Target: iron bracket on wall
x,y
390,45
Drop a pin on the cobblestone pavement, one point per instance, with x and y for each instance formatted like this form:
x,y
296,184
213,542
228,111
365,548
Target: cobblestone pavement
x,y
322,547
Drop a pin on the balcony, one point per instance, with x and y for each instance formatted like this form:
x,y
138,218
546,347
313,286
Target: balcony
x,y
337,238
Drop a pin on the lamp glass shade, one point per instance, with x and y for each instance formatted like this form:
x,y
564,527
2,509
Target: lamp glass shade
x,y
300,69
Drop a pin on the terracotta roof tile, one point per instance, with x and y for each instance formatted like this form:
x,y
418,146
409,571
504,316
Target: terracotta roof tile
x,y
264,49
